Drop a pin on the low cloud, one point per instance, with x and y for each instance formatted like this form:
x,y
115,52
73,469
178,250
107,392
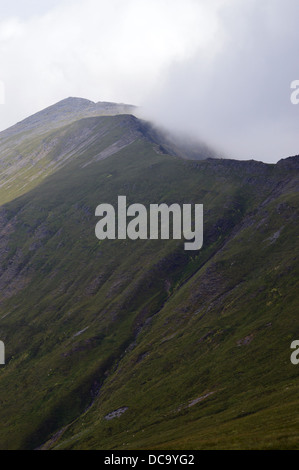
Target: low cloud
x,y
219,70
105,50
238,98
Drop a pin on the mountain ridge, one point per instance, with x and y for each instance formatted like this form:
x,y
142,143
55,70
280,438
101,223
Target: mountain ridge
x,y
69,109
34,148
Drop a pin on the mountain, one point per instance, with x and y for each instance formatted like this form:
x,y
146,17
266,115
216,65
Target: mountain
x,y
43,143
122,344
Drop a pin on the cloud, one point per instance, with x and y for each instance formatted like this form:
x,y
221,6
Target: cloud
x,y
238,99
99,49
218,69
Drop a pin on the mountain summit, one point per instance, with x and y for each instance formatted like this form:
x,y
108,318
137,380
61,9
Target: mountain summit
x,y
64,112
39,145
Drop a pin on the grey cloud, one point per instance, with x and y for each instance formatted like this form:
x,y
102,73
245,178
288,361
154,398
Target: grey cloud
x,y
239,100
218,70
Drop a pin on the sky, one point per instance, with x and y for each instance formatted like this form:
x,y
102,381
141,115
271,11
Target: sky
x,y
219,71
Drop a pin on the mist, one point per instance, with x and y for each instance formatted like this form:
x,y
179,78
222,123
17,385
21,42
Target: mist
x,y
238,99
219,71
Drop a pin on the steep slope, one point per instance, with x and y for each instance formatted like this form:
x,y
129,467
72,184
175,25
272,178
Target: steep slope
x,y
211,368
140,344
34,148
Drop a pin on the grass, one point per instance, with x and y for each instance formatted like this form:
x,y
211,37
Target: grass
x,y
162,326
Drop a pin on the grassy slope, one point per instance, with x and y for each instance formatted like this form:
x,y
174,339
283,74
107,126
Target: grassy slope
x,y
164,327
227,331
28,157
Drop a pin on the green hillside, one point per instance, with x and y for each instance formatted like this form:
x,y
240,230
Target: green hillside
x,y
139,344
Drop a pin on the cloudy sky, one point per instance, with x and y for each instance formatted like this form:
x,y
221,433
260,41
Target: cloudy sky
x,y
220,70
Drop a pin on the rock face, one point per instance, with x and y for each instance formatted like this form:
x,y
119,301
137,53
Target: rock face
x,y
194,347
116,414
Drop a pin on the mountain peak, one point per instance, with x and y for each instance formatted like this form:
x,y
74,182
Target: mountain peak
x,y
64,112
74,101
